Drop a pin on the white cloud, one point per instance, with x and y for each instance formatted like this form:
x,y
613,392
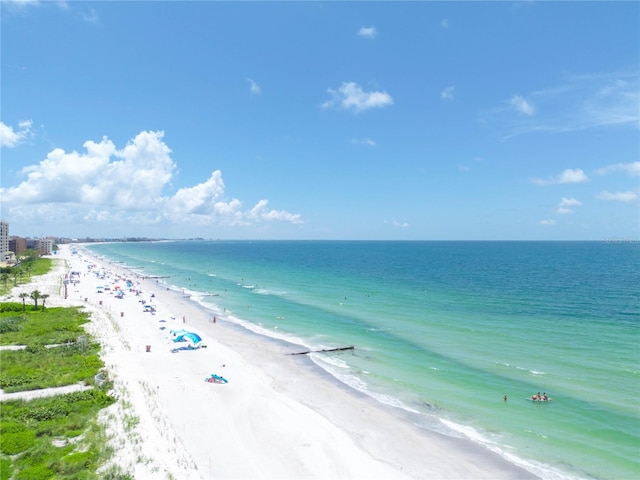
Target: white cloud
x,y
632,169
398,224
569,202
562,210
105,183
22,3
350,96
260,213
364,141
254,88
89,17
522,106
11,138
568,176
616,101
617,196
564,207
576,102
447,93
368,32
63,5
200,199
548,222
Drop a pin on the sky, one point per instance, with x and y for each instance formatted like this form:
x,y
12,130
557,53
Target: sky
x,y
321,120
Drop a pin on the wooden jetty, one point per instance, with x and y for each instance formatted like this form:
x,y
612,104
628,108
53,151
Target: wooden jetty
x,y
323,350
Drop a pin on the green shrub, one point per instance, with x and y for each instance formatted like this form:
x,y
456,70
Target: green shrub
x,y
45,412
10,426
6,471
9,383
79,460
16,442
11,307
35,472
10,324
35,349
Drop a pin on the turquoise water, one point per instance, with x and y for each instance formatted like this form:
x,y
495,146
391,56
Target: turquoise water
x,y
443,330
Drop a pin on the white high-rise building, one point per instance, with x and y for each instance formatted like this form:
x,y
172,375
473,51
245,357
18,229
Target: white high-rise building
x,y
4,239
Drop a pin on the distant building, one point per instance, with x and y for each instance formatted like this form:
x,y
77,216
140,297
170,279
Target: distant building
x,y
17,245
4,240
44,246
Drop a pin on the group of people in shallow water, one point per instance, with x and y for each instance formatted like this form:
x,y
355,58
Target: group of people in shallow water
x,y
536,398
540,398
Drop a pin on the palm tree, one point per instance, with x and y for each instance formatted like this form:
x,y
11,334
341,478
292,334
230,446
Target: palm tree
x,y
23,296
44,297
35,295
15,278
5,279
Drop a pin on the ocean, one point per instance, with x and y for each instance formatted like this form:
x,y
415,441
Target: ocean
x,y
445,330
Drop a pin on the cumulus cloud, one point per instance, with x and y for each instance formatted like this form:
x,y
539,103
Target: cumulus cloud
x,y
564,207
447,93
10,138
632,169
368,32
105,183
548,222
618,196
260,213
568,176
254,88
200,200
522,106
351,96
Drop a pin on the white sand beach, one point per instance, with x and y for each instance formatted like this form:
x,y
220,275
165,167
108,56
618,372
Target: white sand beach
x,y
278,417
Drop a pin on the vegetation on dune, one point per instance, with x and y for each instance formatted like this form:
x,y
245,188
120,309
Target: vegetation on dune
x,y
39,367
30,265
58,436
55,325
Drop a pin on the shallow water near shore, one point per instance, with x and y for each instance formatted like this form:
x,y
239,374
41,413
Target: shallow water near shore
x,y
444,330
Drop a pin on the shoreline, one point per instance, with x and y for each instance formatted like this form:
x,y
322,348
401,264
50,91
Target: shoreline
x,y
280,416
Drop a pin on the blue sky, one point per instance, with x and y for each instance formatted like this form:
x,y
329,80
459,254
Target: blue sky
x,y
321,120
